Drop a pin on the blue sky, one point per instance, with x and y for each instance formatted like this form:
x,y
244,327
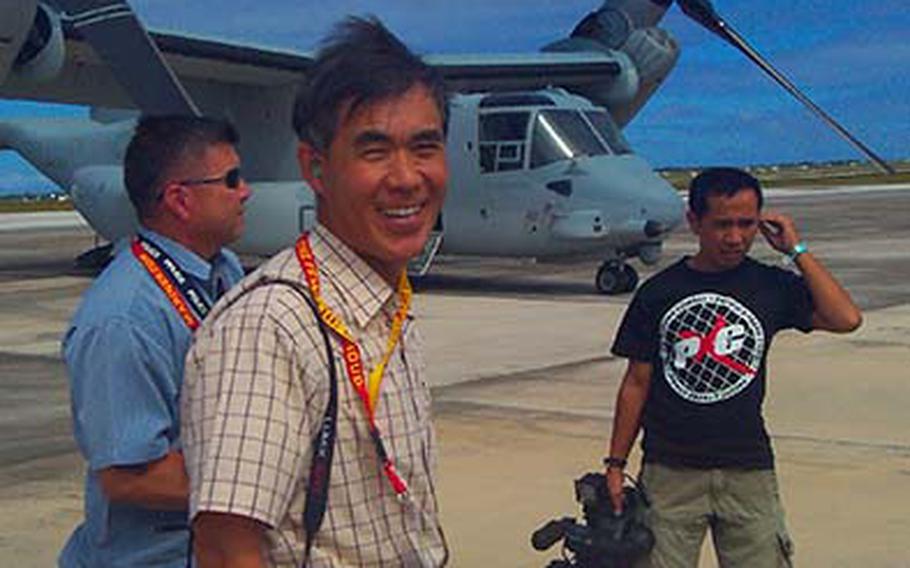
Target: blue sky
x,y
852,58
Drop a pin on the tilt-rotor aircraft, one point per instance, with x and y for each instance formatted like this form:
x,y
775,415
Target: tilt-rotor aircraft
x,y
539,166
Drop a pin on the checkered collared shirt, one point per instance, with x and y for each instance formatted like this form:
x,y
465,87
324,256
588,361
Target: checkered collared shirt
x,y
255,392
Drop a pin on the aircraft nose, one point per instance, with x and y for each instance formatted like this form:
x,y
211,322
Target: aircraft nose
x,y
629,192
663,208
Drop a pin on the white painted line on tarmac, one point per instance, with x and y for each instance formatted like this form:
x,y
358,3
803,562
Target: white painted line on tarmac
x,y
846,190
41,220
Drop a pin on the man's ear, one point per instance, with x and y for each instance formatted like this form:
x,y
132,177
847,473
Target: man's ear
x,y
693,220
175,201
310,166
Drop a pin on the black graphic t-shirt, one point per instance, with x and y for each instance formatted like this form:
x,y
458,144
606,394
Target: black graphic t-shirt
x,y
707,335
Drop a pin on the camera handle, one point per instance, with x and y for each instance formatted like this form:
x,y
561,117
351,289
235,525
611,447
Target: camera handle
x,y
549,534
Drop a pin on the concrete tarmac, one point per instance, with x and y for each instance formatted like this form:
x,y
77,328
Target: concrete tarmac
x,y
524,390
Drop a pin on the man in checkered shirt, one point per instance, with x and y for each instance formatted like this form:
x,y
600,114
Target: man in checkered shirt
x,y
371,123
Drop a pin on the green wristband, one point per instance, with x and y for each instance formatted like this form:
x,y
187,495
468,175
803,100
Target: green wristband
x,y
798,249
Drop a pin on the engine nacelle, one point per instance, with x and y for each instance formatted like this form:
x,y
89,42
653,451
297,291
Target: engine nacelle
x,y
38,43
614,22
15,22
626,30
654,52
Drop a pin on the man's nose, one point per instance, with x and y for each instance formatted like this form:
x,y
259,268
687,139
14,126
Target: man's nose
x,y
403,171
245,190
733,236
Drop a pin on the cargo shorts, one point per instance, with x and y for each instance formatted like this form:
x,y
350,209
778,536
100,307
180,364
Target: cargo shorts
x,y
741,507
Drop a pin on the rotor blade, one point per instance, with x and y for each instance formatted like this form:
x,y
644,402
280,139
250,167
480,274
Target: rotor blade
x,y
120,39
703,12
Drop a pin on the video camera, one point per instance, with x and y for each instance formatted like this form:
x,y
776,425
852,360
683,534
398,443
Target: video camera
x,y
605,539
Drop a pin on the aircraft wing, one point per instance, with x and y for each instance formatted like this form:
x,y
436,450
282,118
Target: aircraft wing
x,y
500,72
85,79
204,64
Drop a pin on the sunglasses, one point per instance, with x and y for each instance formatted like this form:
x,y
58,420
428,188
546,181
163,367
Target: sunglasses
x,y
231,179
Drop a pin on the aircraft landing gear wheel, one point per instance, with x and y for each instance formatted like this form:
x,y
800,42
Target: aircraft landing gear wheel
x,y
610,278
629,277
616,278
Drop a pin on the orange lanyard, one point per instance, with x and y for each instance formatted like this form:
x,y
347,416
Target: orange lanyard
x,y
353,359
175,285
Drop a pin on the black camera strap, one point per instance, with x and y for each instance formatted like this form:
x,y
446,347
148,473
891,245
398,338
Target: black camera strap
x,y
639,486
323,442
317,494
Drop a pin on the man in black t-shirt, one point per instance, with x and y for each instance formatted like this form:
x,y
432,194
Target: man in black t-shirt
x,y
696,337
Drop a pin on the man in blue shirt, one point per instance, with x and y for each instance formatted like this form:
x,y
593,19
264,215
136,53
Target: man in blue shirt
x,y
126,344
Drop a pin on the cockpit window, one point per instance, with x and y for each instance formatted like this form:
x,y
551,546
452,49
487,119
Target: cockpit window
x,y
561,135
608,130
503,138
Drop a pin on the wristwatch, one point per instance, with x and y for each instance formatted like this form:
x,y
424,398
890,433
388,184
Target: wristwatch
x,y
798,249
611,462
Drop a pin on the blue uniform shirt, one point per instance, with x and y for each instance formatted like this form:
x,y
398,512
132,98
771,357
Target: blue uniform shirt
x,y
124,353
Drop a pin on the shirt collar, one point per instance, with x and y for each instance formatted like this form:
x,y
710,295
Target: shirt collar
x,y
187,260
360,288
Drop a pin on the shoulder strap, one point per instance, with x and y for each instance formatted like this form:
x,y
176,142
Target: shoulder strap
x,y
323,443
317,494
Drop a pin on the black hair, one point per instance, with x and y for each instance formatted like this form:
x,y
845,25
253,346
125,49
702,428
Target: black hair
x,y
161,143
720,181
359,62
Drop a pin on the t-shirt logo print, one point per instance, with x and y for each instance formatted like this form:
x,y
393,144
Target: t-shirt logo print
x,y
711,347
